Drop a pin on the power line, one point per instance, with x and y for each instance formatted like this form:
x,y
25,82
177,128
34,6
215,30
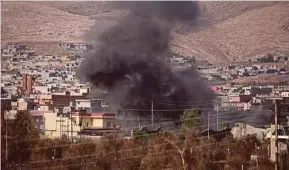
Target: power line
x,y
175,104
229,112
132,149
68,145
172,121
144,134
187,103
201,108
94,162
149,109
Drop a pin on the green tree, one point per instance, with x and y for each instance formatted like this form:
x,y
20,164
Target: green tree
x,y
191,120
23,136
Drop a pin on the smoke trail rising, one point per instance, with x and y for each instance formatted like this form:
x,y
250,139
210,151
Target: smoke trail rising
x,y
130,62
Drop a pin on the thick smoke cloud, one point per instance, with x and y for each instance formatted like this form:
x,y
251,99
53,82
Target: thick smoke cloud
x,y
130,62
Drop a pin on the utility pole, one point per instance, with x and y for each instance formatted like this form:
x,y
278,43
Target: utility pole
x,y
208,139
152,112
138,122
60,129
67,125
209,126
6,136
217,116
276,102
71,127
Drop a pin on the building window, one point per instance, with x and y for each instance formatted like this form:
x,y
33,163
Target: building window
x,y
108,124
87,124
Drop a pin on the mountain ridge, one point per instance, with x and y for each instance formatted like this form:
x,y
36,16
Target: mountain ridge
x,y
226,31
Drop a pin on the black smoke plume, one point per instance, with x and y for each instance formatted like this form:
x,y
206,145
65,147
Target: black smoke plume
x,y
130,63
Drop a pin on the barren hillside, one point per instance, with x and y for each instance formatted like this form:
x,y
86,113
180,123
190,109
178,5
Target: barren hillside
x,y
24,21
263,79
36,22
225,30
88,8
250,33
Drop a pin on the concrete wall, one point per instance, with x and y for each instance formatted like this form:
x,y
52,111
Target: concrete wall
x,y
97,122
55,127
50,124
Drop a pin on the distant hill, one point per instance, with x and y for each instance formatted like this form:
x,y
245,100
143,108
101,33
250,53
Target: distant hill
x,y
266,79
226,31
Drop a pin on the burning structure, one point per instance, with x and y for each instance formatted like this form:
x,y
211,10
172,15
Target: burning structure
x,y
129,64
